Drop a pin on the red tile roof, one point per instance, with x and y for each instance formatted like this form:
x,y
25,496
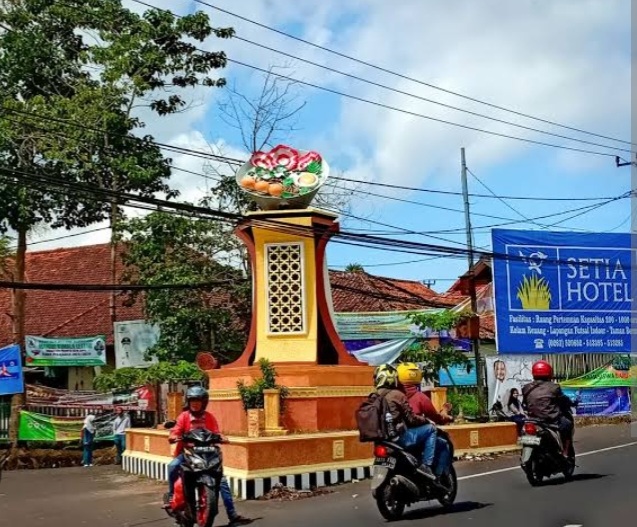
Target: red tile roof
x,y
360,292
68,313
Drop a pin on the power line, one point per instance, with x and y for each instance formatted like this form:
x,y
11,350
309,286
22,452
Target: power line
x,y
425,99
7,284
239,162
343,237
405,77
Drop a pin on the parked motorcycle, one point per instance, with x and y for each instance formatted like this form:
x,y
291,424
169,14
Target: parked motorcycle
x,y
396,483
196,498
542,452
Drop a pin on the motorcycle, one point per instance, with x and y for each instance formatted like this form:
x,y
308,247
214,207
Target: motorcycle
x,y
542,452
196,498
396,482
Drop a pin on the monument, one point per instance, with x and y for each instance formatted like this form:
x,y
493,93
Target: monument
x,y
312,439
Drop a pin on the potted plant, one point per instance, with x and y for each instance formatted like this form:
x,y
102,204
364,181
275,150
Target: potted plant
x,y
253,397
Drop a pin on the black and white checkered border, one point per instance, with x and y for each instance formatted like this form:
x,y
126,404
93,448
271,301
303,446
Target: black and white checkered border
x,y
249,489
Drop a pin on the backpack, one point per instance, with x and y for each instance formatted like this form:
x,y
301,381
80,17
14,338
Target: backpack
x,y
370,418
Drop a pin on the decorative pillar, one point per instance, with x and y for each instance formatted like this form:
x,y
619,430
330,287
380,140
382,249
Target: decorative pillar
x,y
272,403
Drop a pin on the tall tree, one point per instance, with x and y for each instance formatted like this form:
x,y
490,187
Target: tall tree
x,y
62,124
165,248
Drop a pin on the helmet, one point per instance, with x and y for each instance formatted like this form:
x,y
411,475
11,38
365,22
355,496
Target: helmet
x,y
197,393
409,373
542,370
385,376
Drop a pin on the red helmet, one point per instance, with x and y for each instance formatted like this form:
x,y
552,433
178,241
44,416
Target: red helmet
x,y
542,370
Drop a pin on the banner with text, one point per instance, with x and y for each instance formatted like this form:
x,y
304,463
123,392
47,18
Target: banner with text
x,y
39,427
600,401
88,351
132,340
11,377
558,292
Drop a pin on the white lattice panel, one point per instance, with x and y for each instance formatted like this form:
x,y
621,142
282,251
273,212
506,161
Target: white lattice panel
x,y
285,288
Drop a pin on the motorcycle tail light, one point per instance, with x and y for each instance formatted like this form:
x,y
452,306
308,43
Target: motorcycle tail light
x,y
530,429
380,451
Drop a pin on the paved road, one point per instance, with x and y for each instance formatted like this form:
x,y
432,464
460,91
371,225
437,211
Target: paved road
x,y
492,494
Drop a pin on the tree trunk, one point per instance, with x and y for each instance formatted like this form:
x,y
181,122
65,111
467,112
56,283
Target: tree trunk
x,y
18,400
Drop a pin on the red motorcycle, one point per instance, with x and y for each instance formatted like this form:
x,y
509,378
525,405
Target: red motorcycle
x,y
196,498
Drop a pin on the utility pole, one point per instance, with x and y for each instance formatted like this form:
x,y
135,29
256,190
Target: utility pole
x,y
475,342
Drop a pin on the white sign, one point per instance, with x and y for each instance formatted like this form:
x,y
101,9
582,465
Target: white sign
x,y
506,372
132,340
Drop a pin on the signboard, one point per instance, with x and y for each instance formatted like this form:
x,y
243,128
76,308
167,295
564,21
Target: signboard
x,y
562,292
88,351
459,376
611,375
505,373
39,427
132,340
11,377
600,401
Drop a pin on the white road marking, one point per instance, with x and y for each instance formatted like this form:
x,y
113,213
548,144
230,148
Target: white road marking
x,y
583,454
573,526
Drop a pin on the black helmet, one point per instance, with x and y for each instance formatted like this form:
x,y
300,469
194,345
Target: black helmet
x,y
195,393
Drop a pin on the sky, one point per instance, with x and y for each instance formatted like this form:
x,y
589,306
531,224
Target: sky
x,y
565,61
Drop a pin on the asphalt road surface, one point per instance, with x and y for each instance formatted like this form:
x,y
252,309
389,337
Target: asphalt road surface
x,y
492,494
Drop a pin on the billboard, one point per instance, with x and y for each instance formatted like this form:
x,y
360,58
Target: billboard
x,y
505,374
132,340
11,377
459,376
558,292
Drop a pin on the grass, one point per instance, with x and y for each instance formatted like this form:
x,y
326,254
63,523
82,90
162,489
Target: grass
x,y
534,293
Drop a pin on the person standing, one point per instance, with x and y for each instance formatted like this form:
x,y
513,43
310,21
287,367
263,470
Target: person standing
x,y
88,438
120,425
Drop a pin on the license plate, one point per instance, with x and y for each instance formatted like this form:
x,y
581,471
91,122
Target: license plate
x,y
205,449
389,462
530,441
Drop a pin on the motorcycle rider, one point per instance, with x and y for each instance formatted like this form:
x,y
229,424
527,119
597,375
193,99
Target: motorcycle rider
x,y
412,429
546,402
409,379
196,417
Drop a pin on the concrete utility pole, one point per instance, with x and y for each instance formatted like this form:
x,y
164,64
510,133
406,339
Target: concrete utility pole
x,y
475,342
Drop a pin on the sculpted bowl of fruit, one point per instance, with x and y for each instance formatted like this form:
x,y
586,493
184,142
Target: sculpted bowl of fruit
x,y
283,178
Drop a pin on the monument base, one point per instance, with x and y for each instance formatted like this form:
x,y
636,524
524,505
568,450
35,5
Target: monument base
x,y
302,461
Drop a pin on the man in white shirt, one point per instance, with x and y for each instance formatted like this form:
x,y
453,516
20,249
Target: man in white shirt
x,y
120,424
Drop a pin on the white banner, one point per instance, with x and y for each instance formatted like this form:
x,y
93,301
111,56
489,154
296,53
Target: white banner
x,y
132,340
506,372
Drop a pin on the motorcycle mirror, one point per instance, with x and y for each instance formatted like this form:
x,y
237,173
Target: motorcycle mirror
x,y
169,424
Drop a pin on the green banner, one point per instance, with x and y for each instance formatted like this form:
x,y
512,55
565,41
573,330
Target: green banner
x,y
88,351
615,374
39,427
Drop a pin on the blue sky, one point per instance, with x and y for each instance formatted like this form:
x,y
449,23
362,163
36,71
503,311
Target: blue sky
x,y
566,61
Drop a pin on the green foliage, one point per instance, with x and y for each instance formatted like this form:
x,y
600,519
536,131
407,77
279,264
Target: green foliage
x,y
164,248
354,268
49,55
466,402
440,357
6,253
252,395
162,372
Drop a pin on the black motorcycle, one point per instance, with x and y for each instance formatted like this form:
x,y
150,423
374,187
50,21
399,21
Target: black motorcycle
x,y
196,498
396,482
542,452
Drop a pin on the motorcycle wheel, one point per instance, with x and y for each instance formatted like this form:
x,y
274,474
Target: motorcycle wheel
x,y
532,471
450,481
207,504
389,507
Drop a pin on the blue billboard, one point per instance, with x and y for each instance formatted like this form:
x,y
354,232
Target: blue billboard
x,y
11,378
558,292
459,376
